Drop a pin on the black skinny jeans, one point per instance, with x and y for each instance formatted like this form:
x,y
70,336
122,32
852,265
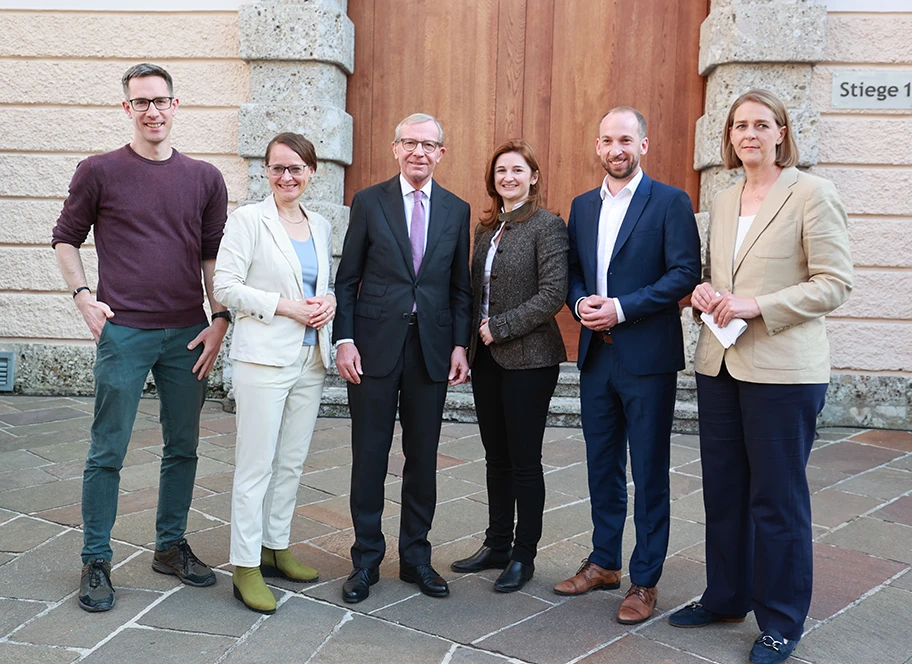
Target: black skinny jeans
x,y
512,409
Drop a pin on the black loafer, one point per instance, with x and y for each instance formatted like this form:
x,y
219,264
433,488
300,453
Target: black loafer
x,y
484,558
514,577
357,587
426,578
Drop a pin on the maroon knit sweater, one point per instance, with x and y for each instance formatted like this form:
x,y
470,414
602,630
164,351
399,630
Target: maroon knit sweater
x,y
155,222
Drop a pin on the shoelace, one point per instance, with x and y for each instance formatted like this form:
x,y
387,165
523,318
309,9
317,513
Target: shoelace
x,y
585,564
639,591
96,571
186,555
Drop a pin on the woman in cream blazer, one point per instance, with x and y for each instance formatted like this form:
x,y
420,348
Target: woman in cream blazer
x,y
780,262
274,267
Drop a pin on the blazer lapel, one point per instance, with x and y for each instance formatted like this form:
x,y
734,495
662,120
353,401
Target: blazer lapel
x,y
590,233
394,211
728,227
320,240
440,210
775,199
270,217
637,205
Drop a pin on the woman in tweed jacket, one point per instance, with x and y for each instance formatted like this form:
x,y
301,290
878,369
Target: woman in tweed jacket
x,y
519,283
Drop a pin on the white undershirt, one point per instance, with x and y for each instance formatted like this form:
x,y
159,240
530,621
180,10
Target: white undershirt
x,y
744,225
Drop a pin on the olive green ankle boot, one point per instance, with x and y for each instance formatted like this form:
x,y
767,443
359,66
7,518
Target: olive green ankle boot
x,y
282,563
250,588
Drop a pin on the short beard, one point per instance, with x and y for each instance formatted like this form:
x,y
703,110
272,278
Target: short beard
x,y
632,166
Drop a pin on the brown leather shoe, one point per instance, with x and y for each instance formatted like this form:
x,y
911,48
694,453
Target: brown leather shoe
x,y
589,577
638,605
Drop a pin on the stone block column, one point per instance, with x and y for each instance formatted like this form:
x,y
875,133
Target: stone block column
x,y
744,44
300,54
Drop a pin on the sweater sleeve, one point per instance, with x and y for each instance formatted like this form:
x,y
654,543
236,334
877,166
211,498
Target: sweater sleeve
x,y
214,214
80,209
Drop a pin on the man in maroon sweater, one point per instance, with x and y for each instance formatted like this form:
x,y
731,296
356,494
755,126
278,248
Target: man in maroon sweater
x,y
158,218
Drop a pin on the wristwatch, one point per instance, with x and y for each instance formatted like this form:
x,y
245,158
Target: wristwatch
x,y
222,314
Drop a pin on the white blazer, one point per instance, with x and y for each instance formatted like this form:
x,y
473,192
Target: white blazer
x,y
256,265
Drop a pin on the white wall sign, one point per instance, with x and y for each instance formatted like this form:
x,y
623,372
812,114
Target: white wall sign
x,y
872,89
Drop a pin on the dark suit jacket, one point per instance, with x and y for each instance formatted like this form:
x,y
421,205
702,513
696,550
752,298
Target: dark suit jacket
x,y
528,287
655,263
376,284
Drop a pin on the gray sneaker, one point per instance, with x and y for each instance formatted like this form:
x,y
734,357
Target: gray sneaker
x,y
95,590
180,561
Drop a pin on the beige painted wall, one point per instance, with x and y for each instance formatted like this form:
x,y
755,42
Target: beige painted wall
x,y
868,154
60,102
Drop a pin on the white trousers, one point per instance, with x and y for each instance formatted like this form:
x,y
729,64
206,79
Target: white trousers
x,y
277,408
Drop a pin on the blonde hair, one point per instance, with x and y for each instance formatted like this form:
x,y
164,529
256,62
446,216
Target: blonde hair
x,y
786,152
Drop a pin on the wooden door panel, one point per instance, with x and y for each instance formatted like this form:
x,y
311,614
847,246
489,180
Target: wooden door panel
x,y
543,70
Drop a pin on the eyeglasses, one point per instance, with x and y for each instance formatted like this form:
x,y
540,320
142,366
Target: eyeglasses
x,y
278,170
161,103
409,145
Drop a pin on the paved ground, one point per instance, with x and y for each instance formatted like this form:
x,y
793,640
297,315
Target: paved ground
x,y
862,482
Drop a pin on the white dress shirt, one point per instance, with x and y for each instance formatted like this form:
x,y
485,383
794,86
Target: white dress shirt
x,y
489,261
611,216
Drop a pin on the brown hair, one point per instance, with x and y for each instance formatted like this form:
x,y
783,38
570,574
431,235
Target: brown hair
x,y
143,70
534,202
786,152
299,144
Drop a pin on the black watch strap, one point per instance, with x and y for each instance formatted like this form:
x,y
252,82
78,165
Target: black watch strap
x,y
79,290
222,314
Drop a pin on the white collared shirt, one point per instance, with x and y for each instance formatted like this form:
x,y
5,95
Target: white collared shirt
x,y
408,201
611,216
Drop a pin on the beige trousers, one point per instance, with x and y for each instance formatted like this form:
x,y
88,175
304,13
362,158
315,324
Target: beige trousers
x,y
277,408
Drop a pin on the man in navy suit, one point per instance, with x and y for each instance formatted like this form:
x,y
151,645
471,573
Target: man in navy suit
x,y
403,320
634,253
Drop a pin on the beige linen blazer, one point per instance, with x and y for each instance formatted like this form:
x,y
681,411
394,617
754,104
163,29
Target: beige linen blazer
x,y
256,265
795,262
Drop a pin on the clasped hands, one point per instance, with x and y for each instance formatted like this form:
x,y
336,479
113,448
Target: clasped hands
x,y
314,312
723,306
597,313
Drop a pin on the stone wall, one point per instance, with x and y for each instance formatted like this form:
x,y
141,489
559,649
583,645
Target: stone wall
x,y
793,47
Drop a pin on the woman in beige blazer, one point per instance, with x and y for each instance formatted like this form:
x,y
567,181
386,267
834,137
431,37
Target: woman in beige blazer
x,y
274,267
780,263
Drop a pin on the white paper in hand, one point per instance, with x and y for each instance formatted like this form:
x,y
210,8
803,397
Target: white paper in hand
x,y
727,335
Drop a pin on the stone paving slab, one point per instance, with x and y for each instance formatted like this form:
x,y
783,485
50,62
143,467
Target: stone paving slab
x,y
862,502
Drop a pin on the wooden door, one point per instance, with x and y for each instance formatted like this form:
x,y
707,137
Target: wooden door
x,y
544,70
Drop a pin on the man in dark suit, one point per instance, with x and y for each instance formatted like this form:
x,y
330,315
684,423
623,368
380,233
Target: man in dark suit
x,y
402,323
634,253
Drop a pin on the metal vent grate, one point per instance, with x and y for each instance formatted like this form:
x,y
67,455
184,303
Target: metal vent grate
x,y
7,371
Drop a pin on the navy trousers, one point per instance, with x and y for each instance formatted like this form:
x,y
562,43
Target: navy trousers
x,y
755,440
618,408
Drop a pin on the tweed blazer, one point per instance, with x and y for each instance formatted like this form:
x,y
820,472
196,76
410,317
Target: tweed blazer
x,y
795,262
528,287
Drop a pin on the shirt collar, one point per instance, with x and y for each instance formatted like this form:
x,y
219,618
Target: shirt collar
x,y
630,186
407,188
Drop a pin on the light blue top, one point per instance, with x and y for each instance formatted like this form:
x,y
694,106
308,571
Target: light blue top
x,y
307,255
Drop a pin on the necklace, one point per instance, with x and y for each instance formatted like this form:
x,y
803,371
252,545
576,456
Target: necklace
x,y
293,222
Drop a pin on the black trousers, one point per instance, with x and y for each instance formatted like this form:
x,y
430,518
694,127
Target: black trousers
x,y
512,409
373,406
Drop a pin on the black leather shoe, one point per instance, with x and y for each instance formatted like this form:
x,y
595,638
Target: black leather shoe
x,y
427,579
357,588
514,577
484,558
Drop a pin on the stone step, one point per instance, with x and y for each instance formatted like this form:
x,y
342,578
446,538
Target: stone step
x,y
460,407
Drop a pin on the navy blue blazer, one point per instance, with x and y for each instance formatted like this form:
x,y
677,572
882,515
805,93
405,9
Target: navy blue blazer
x,y
655,263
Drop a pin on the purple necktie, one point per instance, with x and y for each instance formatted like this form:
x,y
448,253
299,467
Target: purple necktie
x,y
416,236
